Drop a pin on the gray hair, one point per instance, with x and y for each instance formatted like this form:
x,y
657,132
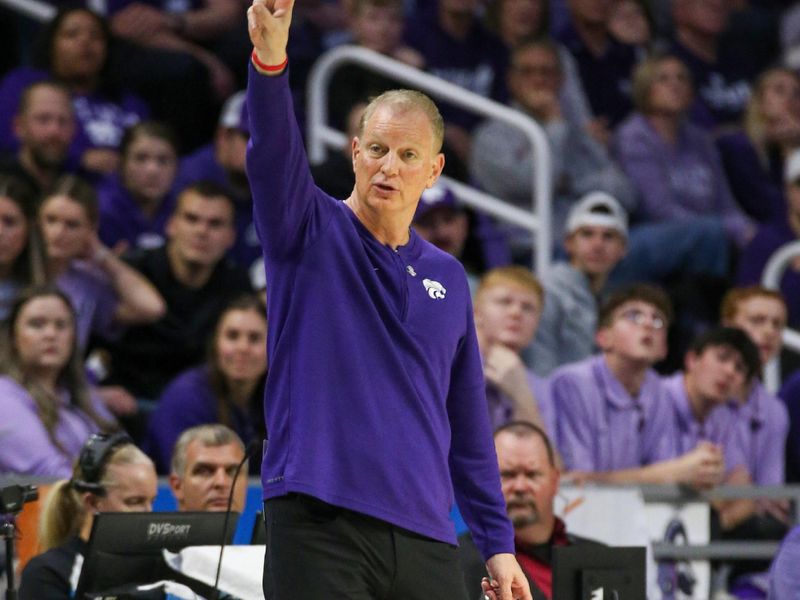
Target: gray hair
x,y
211,435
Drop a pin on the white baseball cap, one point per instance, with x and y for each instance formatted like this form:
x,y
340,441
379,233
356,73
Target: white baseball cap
x,y
598,209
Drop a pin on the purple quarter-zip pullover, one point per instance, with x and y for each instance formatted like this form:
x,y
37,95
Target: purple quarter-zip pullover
x,y
375,399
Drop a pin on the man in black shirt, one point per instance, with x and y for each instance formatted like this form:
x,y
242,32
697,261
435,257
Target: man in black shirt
x,y
196,281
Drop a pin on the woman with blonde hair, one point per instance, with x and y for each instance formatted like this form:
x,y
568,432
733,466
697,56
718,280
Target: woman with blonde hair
x,y
754,155
111,475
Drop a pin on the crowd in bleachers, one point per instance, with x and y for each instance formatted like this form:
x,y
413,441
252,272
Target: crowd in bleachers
x,y
130,283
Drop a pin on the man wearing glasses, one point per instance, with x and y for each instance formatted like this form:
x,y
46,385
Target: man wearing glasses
x,y
614,424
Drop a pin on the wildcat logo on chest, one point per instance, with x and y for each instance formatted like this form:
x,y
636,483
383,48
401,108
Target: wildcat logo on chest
x,y
436,290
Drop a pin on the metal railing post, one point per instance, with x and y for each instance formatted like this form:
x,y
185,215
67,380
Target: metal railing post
x,y
771,278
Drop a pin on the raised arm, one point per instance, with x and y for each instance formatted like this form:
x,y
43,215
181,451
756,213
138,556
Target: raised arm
x,y
277,168
139,301
268,23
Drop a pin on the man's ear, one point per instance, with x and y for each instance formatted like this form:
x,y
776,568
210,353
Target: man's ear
x,y
89,502
569,244
436,169
689,360
602,338
355,149
176,485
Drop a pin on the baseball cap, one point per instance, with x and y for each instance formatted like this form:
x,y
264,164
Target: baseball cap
x,y
598,209
791,169
234,113
436,197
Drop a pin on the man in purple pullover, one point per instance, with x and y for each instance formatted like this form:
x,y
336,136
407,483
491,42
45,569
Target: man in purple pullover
x,y
375,403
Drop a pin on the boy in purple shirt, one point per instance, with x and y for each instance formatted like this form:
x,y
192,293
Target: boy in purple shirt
x,y
761,417
375,403
614,424
719,363
760,422
508,304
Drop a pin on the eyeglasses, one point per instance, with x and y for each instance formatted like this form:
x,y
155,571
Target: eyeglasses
x,y
641,318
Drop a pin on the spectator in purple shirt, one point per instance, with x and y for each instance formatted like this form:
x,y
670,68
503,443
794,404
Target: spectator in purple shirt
x,y
356,297
21,252
136,204
673,163
614,423
105,292
754,157
761,423
44,127
761,416
719,364
75,51
228,389
48,409
508,304
721,76
772,236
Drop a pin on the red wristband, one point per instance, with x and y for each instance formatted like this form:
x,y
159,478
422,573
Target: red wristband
x,y
268,68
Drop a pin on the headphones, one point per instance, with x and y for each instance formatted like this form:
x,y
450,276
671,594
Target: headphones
x,y
93,457
676,575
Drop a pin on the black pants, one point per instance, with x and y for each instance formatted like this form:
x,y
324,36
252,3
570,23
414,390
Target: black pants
x,y
319,551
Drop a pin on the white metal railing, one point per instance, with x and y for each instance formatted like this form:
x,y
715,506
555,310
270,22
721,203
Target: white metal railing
x,y
321,136
33,9
771,278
